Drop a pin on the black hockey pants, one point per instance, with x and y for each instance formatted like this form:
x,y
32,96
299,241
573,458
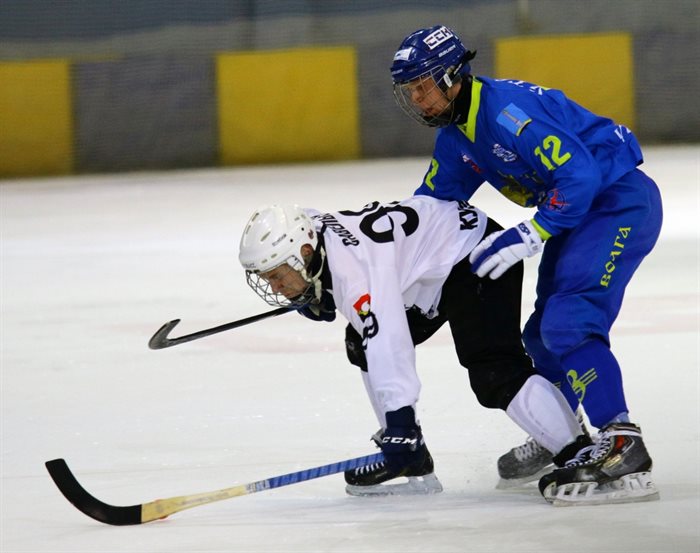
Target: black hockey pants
x,y
484,318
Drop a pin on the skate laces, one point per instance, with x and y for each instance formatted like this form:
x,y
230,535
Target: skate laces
x,y
366,469
595,452
590,453
528,450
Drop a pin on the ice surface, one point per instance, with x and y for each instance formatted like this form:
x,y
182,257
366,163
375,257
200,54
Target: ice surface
x,y
92,266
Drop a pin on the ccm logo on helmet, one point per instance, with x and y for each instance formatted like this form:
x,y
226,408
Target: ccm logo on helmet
x,y
436,38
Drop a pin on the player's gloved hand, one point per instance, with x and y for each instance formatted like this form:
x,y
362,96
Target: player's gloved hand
x,y
316,313
320,311
402,441
499,251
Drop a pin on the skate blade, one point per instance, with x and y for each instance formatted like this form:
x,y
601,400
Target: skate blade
x,y
511,483
416,485
631,488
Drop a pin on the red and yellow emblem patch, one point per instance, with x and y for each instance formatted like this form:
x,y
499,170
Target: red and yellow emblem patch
x,y
362,305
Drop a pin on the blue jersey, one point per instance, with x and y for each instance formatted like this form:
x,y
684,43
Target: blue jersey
x,y
536,147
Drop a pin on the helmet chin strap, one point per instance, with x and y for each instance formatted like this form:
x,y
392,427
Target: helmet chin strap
x,y
314,279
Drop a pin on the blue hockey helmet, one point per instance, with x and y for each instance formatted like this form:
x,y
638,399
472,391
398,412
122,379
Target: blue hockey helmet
x,y
434,53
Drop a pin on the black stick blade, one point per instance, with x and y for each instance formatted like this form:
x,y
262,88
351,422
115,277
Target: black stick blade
x,y
160,339
86,503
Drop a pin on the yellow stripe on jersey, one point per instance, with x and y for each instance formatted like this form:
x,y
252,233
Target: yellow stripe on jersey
x,y
434,165
469,128
540,230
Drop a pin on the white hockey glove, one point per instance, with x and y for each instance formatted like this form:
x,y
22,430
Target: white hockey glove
x,y
499,251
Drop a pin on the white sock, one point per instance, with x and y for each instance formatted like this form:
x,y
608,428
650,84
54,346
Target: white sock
x,y
542,411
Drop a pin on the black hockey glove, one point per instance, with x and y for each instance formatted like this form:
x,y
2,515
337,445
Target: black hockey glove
x,y
316,313
322,311
402,442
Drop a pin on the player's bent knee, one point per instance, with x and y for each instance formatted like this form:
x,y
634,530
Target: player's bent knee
x,y
496,382
569,321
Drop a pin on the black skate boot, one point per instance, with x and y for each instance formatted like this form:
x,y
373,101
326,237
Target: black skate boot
x,y
370,479
616,469
528,462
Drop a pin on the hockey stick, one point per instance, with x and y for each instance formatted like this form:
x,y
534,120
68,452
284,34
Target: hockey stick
x,y
160,339
161,508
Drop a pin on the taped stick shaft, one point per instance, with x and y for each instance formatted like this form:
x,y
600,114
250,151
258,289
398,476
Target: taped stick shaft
x,y
116,515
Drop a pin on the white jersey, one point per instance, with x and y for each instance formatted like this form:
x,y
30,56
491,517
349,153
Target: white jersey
x,y
384,259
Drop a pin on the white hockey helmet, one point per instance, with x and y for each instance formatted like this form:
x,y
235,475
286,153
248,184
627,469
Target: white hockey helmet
x,y
272,237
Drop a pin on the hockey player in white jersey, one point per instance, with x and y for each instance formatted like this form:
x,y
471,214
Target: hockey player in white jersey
x,y
397,272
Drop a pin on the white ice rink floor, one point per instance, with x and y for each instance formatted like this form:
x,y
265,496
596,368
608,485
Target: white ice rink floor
x,y
92,266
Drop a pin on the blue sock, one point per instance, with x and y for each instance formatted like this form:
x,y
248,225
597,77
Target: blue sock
x,y
596,379
557,378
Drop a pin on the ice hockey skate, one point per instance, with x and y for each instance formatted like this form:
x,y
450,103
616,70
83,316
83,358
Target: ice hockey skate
x,y
616,469
528,462
378,479
523,464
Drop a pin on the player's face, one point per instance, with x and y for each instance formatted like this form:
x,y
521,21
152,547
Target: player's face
x,y
286,281
426,95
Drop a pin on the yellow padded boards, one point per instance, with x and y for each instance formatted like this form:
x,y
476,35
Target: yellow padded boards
x,y
36,120
288,105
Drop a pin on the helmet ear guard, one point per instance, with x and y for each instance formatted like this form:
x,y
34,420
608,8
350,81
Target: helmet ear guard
x,y
274,236
454,74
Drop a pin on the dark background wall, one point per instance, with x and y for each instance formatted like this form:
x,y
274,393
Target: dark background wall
x,y
144,82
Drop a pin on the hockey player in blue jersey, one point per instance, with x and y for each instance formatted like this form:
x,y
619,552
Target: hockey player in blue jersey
x,y
597,217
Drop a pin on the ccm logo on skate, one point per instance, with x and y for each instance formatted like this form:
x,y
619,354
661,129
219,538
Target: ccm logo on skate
x,y
399,440
619,245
